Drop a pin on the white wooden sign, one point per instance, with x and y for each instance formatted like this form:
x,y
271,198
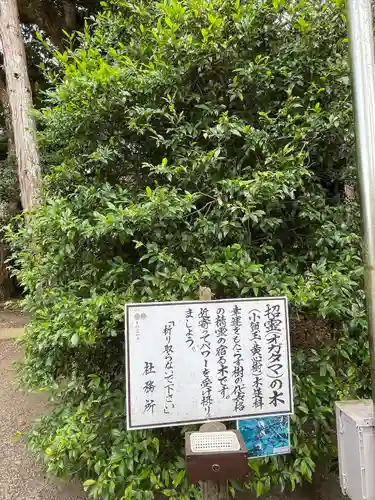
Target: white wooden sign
x,y
192,362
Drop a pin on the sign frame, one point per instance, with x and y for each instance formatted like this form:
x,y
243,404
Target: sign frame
x,y
224,418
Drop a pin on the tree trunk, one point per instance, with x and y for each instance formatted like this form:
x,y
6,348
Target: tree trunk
x,y
20,101
349,192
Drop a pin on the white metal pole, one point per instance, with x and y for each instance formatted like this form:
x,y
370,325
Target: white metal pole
x,y
361,42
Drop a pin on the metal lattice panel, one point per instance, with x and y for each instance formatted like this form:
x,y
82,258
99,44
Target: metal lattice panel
x,y
211,442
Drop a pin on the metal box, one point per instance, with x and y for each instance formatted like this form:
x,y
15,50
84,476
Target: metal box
x,y
216,456
356,448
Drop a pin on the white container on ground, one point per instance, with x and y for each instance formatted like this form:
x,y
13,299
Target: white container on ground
x,y
356,448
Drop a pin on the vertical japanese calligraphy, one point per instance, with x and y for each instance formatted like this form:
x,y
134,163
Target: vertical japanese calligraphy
x,y
221,352
256,357
189,362
238,369
205,349
149,386
275,366
189,328
168,367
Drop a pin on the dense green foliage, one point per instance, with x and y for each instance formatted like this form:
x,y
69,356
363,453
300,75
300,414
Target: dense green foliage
x,y
8,171
8,187
191,140
8,207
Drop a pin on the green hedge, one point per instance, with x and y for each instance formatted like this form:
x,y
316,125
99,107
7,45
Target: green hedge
x,y
191,140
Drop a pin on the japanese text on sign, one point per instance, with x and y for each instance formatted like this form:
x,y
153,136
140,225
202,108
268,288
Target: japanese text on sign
x,y
190,362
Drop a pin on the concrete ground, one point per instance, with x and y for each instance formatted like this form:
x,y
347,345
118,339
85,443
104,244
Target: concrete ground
x,y
20,477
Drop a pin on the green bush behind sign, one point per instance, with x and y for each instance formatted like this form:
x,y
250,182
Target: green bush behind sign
x,y
189,140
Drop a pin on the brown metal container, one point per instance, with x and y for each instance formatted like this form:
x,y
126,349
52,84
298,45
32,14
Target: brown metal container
x,y
216,465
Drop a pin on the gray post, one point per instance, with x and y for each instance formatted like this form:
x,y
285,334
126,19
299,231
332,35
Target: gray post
x,y
214,490
363,71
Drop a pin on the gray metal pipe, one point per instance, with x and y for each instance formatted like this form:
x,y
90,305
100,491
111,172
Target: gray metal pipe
x,y
361,42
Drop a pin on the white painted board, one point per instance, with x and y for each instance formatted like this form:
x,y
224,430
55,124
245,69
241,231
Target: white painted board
x,y
193,362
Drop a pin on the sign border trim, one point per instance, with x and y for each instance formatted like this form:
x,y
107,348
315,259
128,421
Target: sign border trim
x,y
127,306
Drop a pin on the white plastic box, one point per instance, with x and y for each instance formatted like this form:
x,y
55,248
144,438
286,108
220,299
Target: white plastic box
x,y
356,448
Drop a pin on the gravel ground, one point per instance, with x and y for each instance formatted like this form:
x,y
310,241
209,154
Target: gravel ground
x,y
20,477
11,323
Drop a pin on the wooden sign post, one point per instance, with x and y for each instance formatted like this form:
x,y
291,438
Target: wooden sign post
x,y
212,490
206,362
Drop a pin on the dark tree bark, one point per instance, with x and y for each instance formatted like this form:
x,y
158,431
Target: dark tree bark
x,y
20,102
55,17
